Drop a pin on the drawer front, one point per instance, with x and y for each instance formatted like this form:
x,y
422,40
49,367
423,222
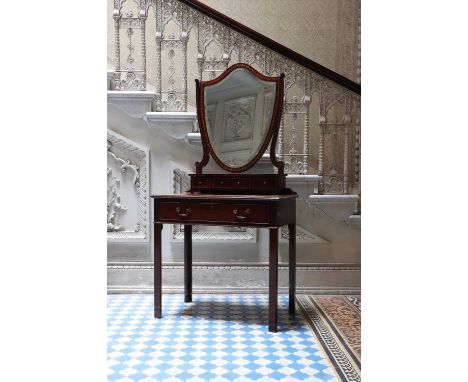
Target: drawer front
x,y
231,183
199,182
213,212
265,183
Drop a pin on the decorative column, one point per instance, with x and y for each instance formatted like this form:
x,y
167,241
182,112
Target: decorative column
x,y
347,126
159,38
345,164
200,56
305,162
280,135
322,121
142,17
117,42
184,39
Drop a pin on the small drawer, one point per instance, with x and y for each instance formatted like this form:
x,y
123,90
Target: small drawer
x,y
200,182
265,183
231,183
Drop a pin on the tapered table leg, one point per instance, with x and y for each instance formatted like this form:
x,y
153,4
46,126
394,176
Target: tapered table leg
x,y
157,271
188,262
292,268
273,282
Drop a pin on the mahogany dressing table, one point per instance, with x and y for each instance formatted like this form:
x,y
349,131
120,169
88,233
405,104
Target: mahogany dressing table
x,y
238,114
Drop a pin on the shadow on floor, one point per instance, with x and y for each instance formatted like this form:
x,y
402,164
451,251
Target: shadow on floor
x,y
220,310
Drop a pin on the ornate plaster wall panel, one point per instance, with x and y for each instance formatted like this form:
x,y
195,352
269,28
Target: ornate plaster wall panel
x,y
127,189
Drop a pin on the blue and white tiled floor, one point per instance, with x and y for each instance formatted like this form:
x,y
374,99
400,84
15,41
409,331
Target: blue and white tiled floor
x,y
215,338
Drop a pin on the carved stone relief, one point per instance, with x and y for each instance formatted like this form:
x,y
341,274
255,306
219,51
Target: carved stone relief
x,y
127,189
114,204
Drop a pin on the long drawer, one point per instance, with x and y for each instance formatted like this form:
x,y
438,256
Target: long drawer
x,y
213,212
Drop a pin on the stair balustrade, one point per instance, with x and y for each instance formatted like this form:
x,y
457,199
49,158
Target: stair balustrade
x,y
163,45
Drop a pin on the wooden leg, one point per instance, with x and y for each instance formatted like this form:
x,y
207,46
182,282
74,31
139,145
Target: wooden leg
x,y
188,262
157,271
292,268
273,282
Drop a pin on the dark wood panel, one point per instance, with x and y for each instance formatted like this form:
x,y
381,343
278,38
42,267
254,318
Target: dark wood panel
x,y
292,268
231,183
157,271
273,282
188,263
213,212
223,198
266,184
285,212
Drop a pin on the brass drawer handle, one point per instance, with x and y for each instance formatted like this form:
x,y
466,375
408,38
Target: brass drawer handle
x,y
187,212
246,213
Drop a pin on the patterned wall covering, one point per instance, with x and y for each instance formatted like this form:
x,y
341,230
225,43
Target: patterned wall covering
x,y
322,30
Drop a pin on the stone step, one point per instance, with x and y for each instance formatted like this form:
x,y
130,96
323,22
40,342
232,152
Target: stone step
x,y
338,207
134,103
175,124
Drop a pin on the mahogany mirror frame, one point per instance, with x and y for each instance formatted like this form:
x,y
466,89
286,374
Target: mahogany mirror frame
x,y
272,133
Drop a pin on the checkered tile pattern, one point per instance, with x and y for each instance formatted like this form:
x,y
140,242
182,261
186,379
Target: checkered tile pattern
x,y
215,338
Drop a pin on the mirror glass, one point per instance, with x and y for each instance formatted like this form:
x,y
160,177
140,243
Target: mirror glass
x,y
238,114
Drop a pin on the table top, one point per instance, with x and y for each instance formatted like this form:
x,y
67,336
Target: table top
x,y
225,197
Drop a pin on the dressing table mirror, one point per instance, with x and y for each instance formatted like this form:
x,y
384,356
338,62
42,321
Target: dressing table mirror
x,y
239,115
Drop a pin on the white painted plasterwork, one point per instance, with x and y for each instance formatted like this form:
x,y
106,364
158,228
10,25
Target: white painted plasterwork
x,y
338,207
110,80
128,189
135,103
355,221
176,124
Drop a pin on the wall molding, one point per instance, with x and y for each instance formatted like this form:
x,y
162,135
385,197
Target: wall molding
x,y
240,266
133,277
120,289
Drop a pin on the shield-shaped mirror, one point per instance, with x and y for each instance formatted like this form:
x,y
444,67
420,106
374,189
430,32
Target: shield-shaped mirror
x,y
239,114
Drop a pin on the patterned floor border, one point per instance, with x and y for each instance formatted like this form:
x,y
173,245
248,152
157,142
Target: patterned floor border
x,y
345,361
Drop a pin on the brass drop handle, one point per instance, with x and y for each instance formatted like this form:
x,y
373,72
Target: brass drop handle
x,y
246,213
187,212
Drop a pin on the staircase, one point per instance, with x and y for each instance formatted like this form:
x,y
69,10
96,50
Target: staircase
x,y
154,114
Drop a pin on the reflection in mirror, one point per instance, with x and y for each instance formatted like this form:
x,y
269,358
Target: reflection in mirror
x,y
238,115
